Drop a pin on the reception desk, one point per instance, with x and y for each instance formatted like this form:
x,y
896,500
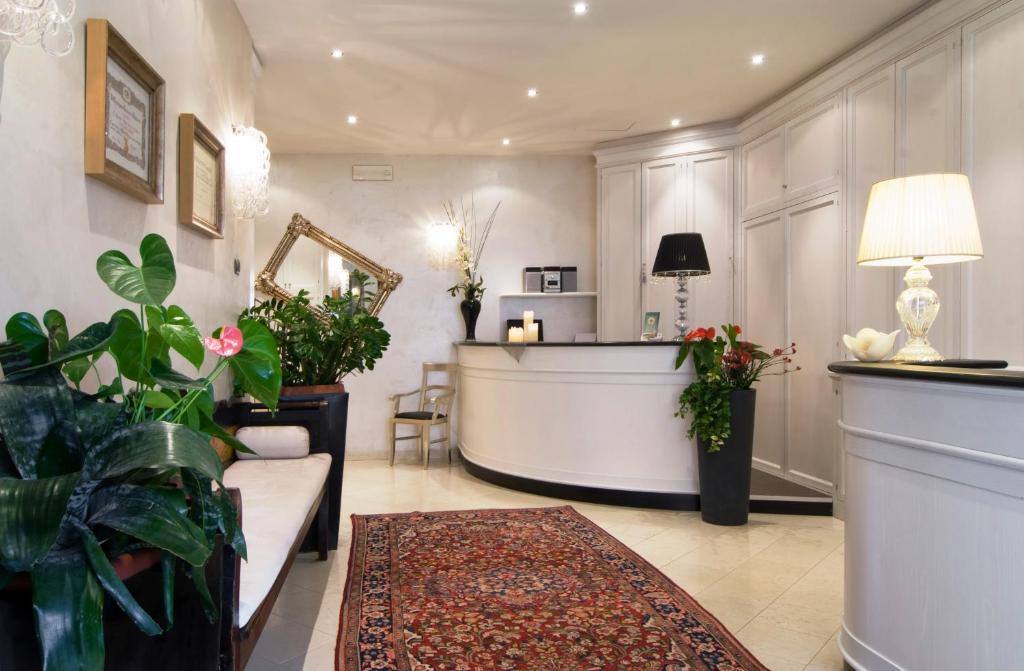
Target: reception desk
x,y
934,481
588,421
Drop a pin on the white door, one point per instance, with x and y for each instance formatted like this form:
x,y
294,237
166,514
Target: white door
x,y
815,234
928,140
763,318
993,157
814,151
620,253
664,212
709,212
764,173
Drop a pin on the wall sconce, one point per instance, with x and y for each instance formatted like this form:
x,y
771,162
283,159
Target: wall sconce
x,y
43,22
250,172
442,239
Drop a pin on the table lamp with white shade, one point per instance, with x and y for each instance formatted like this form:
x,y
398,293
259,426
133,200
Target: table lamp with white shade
x,y
914,221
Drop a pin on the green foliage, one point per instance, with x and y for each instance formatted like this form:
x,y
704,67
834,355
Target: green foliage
x,y
722,365
319,346
85,477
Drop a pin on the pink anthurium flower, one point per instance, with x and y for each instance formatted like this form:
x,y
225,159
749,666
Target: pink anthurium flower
x,y
228,344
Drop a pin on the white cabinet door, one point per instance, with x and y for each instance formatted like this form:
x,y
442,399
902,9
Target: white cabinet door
x,y
870,128
927,141
664,212
814,151
763,316
764,173
993,153
620,253
709,212
815,233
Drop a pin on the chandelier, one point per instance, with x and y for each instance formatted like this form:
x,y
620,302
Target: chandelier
x,y
250,172
43,22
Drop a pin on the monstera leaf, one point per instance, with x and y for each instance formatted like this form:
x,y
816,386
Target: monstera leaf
x,y
149,283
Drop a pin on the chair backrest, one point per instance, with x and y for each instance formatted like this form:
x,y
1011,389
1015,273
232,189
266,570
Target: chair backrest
x,y
446,370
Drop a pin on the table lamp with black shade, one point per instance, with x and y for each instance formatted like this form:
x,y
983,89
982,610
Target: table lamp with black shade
x,y
682,256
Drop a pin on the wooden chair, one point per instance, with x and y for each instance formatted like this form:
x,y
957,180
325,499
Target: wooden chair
x,y
434,410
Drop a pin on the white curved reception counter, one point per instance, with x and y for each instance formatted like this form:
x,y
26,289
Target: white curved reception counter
x,y
592,421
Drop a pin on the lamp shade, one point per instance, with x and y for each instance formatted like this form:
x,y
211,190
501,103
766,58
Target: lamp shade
x,y
928,217
681,254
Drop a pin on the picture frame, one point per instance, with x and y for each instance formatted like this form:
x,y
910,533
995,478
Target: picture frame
x,y
649,327
124,115
200,177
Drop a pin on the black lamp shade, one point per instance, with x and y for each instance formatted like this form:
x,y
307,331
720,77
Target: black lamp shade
x,y
681,254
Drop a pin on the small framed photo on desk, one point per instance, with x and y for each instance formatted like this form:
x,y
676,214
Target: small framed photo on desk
x,y
649,328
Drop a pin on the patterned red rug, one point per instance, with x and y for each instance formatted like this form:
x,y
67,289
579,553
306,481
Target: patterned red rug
x,y
541,589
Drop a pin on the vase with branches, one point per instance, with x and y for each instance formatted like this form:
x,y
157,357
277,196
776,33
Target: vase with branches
x,y
473,236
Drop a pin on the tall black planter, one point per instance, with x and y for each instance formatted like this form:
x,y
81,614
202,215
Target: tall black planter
x,y
470,313
725,475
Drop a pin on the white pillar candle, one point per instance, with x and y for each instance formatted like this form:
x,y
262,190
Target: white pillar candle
x,y
515,334
527,320
533,333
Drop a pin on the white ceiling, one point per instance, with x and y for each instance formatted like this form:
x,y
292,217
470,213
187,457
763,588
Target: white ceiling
x,y
450,76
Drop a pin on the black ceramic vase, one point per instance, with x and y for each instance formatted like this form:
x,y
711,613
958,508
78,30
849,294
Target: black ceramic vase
x,y
470,313
725,475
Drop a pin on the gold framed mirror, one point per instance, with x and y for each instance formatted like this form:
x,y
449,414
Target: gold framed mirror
x,y
309,258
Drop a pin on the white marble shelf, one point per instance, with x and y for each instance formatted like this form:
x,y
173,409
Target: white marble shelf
x,y
564,294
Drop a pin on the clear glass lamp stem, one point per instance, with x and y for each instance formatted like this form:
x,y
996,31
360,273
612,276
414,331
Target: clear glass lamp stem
x,y
917,306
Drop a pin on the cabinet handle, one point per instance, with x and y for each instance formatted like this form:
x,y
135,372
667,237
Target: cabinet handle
x,y
643,274
785,186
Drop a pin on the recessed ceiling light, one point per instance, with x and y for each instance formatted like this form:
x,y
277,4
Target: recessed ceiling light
x,y
337,54
757,59
505,141
676,122
531,93
352,119
580,8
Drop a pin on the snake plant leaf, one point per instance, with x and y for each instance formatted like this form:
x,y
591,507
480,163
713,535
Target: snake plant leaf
x,y
229,524
198,576
154,517
152,445
94,339
168,378
180,333
113,585
97,420
258,366
168,568
30,516
5,577
31,409
68,604
24,329
214,511
149,283
13,358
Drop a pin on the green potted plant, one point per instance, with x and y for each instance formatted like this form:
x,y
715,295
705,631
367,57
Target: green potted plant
x,y
88,478
473,238
720,405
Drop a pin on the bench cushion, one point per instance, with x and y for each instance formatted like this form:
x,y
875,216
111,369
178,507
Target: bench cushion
x,y
277,495
274,442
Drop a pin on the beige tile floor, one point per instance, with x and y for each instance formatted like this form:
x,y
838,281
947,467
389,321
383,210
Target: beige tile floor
x,y
777,583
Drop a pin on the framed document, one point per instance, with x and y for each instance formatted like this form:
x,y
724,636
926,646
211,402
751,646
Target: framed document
x,y
200,177
124,115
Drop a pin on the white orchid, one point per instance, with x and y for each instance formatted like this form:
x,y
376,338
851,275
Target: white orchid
x,y
870,345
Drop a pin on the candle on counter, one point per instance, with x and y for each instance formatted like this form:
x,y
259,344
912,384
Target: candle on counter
x,y
527,320
533,333
515,334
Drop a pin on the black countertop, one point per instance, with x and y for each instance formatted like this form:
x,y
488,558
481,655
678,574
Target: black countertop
x,y
993,377
615,343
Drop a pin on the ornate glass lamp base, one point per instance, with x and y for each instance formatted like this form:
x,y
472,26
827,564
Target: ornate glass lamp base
x,y
917,351
917,306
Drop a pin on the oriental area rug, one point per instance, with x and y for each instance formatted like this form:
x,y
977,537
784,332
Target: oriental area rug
x,y
541,589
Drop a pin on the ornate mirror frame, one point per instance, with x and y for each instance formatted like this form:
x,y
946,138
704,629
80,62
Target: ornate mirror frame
x,y
266,282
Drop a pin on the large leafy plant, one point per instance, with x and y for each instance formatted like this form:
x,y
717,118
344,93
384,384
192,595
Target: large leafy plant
x,y
86,476
321,345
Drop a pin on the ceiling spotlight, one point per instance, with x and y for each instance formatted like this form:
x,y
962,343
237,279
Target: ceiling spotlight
x,y
757,59
580,8
531,93
506,141
676,122
352,119
337,54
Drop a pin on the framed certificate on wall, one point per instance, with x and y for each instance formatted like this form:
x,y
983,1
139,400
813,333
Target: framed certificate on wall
x,y
124,115
200,177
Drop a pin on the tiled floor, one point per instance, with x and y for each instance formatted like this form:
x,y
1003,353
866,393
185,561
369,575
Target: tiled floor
x,y
777,583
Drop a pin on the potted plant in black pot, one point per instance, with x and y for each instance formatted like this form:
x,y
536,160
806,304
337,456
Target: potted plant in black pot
x,y
720,405
473,238
106,483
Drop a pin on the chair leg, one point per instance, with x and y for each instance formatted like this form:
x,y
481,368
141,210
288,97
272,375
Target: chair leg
x,y
448,441
321,529
391,442
425,440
